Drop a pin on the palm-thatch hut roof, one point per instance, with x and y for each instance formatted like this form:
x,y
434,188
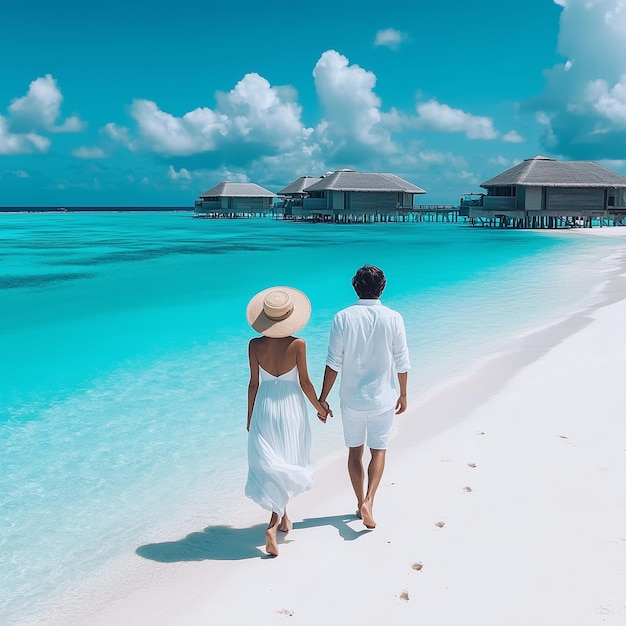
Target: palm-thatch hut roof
x,y
542,171
298,186
349,180
228,189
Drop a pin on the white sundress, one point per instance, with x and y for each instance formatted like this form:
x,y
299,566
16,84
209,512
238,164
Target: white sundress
x,y
279,442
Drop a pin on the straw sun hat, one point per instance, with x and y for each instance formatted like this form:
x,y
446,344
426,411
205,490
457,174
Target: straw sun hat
x,y
278,311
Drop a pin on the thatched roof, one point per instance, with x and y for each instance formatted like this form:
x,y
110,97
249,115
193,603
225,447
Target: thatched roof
x,y
541,171
349,180
227,189
298,186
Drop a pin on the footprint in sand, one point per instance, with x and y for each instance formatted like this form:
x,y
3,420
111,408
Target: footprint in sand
x,y
417,566
286,612
440,524
467,489
472,465
404,596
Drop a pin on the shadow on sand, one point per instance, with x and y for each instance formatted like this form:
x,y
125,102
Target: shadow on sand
x,y
219,543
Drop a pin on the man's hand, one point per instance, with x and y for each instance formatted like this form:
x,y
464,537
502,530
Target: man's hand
x,y
401,405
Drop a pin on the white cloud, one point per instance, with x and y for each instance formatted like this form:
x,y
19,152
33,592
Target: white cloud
x,y
31,115
609,102
500,160
513,137
545,120
182,174
442,117
288,166
253,112
20,143
584,97
432,156
40,108
72,124
390,38
614,164
542,118
225,173
85,152
119,134
258,112
14,174
352,111
469,177
439,158
166,134
259,123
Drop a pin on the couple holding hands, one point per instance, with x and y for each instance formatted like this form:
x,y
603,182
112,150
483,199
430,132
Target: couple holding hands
x,y
367,348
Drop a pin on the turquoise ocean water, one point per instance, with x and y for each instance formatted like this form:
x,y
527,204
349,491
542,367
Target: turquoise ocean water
x,y
123,363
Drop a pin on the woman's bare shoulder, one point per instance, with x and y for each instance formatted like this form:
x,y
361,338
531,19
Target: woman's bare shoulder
x,y
255,342
298,345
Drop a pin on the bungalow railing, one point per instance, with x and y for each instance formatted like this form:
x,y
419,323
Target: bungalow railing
x,y
312,204
499,203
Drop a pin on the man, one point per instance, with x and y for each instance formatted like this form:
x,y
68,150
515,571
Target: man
x,y
368,346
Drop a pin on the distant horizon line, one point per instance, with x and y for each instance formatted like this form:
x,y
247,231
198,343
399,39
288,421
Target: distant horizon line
x,y
91,207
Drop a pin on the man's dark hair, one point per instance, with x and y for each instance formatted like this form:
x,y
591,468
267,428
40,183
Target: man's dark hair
x,y
369,282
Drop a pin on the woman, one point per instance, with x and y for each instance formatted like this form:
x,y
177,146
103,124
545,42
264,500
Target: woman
x,y
279,440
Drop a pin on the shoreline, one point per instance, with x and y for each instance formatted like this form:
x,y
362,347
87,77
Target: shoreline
x,y
199,575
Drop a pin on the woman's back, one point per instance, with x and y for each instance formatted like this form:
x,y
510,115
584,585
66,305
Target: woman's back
x,y
291,376
276,356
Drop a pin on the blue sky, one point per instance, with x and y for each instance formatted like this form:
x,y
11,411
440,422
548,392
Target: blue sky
x,y
152,103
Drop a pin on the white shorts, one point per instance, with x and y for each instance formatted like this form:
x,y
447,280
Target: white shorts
x,y
369,427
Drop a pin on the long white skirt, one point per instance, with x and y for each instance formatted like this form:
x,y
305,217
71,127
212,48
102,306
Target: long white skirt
x,y
279,442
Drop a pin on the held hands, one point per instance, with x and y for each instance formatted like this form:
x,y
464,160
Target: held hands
x,y
324,416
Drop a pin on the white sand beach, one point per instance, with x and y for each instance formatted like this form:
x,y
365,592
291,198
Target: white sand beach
x,y
503,503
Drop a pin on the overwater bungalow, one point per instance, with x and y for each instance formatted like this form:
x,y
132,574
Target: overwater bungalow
x,y
545,193
297,188
350,196
228,199
293,194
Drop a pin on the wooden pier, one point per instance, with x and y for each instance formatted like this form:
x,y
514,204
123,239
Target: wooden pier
x,y
275,214
547,219
418,213
437,212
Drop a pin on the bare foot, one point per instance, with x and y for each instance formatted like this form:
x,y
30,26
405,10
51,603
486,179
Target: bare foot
x,y
358,513
366,515
285,525
271,546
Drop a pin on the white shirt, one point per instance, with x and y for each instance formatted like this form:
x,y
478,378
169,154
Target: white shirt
x,y
368,346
